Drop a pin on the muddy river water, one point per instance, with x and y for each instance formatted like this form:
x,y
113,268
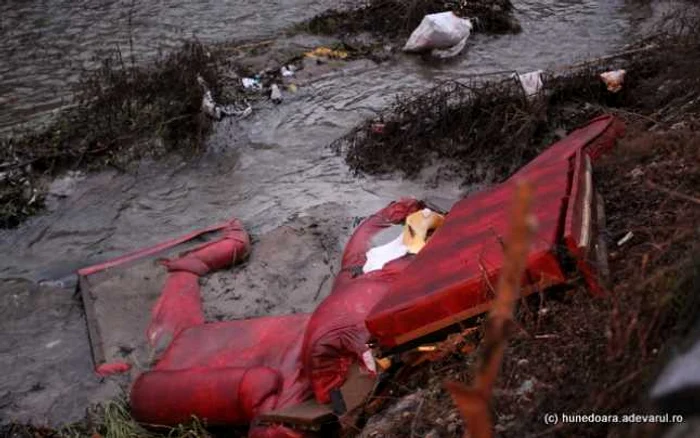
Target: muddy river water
x,y
263,170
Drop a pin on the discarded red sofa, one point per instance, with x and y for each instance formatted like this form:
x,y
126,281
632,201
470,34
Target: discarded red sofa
x,y
233,372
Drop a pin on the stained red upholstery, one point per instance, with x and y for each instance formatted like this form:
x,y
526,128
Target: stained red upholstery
x,y
450,279
336,335
231,372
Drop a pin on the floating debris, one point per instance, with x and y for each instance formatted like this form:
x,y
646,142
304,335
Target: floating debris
x,y
614,80
275,94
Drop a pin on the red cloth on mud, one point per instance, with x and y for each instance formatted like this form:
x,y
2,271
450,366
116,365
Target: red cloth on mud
x,y
336,335
231,372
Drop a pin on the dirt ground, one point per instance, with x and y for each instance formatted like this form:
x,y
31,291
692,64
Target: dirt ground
x,y
290,270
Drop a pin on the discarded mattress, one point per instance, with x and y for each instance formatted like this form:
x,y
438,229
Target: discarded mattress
x,y
451,279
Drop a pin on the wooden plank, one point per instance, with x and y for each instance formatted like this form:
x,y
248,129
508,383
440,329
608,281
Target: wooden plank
x,y
466,314
96,345
309,413
357,388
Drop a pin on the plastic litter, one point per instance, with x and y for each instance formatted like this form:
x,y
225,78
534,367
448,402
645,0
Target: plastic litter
x,y
626,238
415,233
531,82
209,107
233,110
286,71
419,228
614,79
378,128
379,256
292,88
452,51
440,31
216,111
325,52
251,83
275,94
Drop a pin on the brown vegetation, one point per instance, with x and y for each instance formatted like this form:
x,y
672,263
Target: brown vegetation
x,y
396,18
572,352
487,129
122,111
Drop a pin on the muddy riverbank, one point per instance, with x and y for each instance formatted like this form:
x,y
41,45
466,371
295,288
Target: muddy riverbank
x,y
265,169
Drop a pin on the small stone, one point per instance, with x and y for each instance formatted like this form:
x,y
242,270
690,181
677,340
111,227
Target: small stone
x,y
636,173
526,387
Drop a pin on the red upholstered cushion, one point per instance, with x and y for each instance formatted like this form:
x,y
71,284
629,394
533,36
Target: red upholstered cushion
x,y
451,278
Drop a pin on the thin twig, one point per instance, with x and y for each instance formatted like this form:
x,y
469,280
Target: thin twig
x,y
673,193
473,402
416,416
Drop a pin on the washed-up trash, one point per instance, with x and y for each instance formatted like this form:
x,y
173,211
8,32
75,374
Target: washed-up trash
x,y
325,52
216,111
286,72
378,128
209,107
414,235
614,79
381,255
292,88
275,94
452,51
440,31
531,82
251,83
419,227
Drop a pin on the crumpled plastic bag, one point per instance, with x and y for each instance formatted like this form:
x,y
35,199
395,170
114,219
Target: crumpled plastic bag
x,y
379,256
614,80
440,31
531,82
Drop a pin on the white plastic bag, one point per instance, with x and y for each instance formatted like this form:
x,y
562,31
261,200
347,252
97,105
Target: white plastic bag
x,y
381,255
452,51
531,82
439,31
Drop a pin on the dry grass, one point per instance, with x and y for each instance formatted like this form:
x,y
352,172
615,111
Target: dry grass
x,y
122,112
111,420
